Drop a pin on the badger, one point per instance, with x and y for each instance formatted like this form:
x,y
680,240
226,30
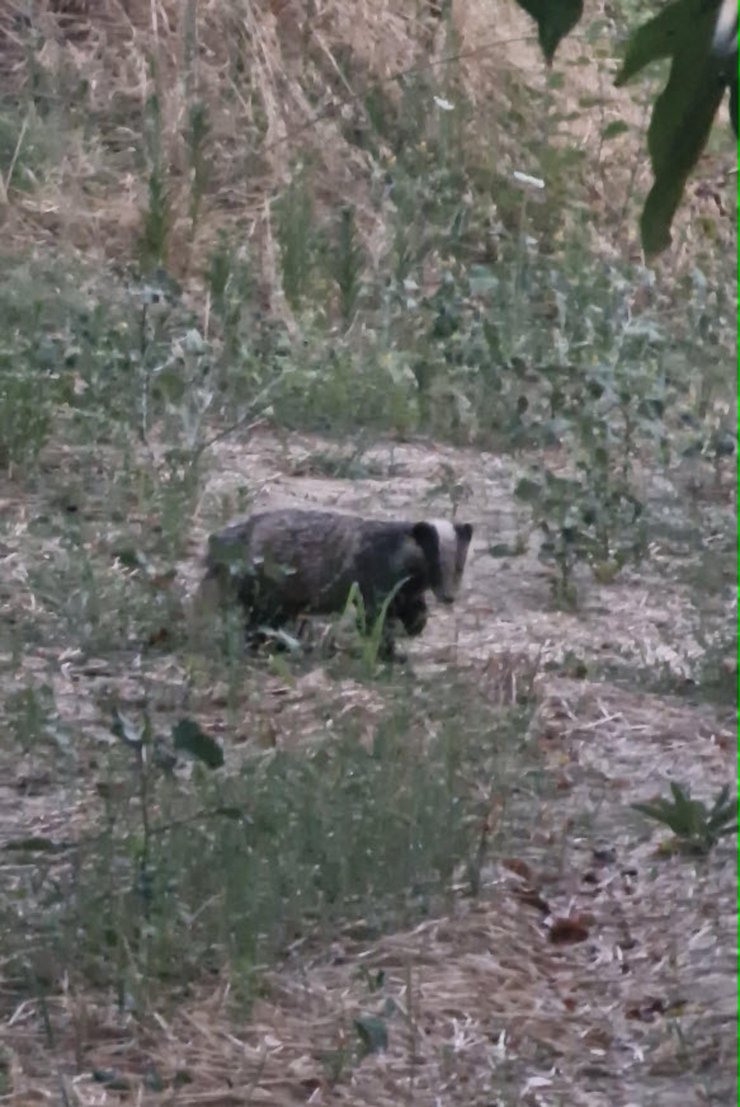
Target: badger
x,y
279,565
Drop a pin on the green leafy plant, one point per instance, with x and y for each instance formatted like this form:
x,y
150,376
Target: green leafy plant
x,y
347,264
196,137
189,737
25,417
157,220
554,21
583,519
230,864
696,826
702,69
372,1034
294,212
374,637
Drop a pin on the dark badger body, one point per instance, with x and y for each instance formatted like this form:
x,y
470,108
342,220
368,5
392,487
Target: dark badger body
x,y
281,564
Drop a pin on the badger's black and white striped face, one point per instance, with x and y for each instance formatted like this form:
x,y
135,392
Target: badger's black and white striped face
x,y
445,547
724,41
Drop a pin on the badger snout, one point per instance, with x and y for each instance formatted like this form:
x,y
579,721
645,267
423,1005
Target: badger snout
x,y
446,600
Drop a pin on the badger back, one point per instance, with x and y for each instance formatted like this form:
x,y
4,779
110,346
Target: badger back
x,y
307,559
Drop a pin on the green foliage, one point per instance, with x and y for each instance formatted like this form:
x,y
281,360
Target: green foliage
x,y
588,518
595,513
157,219
294,216
683,113
29,144
230,866
324,387
697,827
374,635
554,21
29,714
490,319
196,136
230,281
372,1032
348,264
189,737
25,417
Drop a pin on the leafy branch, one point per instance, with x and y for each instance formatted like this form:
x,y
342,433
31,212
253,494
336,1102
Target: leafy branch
x,y
700,39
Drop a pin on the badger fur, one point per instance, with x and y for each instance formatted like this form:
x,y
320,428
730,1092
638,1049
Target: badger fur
x,y
281,564
724,40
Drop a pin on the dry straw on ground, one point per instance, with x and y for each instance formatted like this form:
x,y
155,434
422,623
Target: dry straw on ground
x,y
273,79
483,1007
483,1002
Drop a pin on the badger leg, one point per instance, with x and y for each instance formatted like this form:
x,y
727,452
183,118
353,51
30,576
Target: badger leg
x,y
411,610
260,611
258,622
388,651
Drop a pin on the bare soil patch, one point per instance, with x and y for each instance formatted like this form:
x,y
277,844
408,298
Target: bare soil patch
x,y
637,1001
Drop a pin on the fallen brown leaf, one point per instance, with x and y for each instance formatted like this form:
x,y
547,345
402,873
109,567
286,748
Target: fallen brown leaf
x,y
573,929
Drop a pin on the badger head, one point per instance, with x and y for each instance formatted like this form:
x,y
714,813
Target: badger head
x,y
724,40
445,548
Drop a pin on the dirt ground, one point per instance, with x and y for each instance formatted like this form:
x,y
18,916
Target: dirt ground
x,y
635,1007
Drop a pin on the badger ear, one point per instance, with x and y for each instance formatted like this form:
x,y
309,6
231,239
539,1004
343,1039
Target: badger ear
x,y
464,532
426,537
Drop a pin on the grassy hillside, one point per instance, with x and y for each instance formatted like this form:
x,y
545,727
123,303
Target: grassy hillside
x,y
277,253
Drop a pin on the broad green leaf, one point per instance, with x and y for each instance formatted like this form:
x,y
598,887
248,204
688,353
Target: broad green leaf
x,y
684,112
614,129
680,795
720,802
372,1032
665,195
662,813
190,738
654,40
652,810
554,19
130,557
529,491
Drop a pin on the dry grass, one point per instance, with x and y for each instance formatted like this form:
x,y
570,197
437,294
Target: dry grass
x,y
590,970
283,83
630,999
